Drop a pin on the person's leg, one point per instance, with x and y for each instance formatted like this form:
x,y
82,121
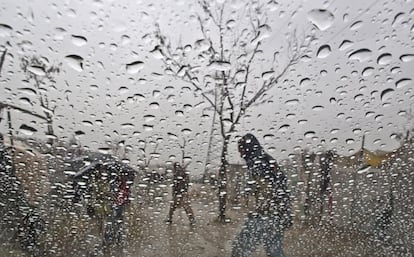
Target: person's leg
x,y
187,208
248,239
273,243
119,224
173,206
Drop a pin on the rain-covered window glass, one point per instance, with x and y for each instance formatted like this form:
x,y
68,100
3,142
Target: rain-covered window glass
x,y
206,128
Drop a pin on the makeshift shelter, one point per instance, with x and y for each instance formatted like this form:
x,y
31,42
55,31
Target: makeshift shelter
x,y
82,168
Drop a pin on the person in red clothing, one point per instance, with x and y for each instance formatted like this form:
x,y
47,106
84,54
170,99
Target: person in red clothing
x,y
120,196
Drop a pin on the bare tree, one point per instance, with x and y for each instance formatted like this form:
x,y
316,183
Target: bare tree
x,y
146,154
184,157
13,107
119,148
222,66
42,73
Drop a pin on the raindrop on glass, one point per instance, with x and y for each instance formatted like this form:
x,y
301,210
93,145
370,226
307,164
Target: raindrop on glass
x,y
79,40
403,83
321,18
407,57
323,51
360,55
27,130
384,59
387,93
134,67
75,62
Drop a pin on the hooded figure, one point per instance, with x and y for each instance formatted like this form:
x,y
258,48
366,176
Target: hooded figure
x,y
272,213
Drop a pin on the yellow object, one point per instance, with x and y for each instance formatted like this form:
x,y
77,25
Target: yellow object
x,y
375,159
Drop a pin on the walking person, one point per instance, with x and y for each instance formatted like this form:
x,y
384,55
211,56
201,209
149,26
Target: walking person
x,y
100,202
180,194
272,215
115,225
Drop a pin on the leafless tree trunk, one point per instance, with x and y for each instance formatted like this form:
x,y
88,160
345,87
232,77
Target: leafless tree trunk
x,y
48,76
232,94
210,142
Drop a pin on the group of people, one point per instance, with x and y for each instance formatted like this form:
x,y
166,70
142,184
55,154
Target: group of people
x,y
272,215
108,196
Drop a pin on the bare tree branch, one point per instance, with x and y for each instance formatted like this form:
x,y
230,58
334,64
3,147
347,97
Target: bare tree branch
x,y
4,105
3,57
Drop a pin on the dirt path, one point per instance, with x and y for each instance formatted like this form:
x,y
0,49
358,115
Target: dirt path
x,y
209,238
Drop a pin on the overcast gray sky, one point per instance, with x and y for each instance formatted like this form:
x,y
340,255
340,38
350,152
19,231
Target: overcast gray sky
x,y
340,100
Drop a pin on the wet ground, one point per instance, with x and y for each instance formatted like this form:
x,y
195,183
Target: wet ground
x,y
148,235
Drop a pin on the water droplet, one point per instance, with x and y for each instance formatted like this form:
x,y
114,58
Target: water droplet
x,y
75,62
367,71
386,93
309,134
79,40
324,51
27,130
148,127
345,45
27,90
127,126
149,118
202,45
79,133
154,105
369,114
122,90
379,117
230,23
284,128
321,18
318,108
268,137
220,66
384,59
186,131
356,131
188,48
60,33
349,141
403,82
292,102
360,55
407,57
302,122
104,150
125,39
5,30
398,18
134,67
37,70
87,123
356,25
25,100
304,82
267,75
179,113
157,53
181,72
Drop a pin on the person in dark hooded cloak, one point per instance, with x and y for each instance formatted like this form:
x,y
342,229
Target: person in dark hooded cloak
x,y
272,214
